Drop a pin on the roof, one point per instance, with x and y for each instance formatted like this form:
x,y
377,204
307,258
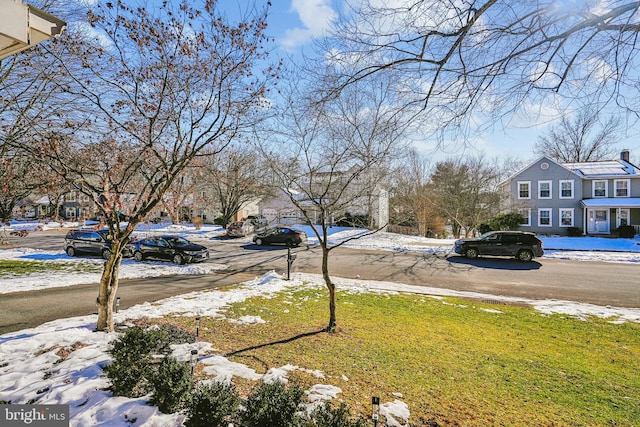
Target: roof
x,y
609,202
539,159
609,168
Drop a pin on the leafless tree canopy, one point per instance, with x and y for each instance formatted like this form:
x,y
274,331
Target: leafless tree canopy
x,y
235,177
139,94
574,140
464,191
463,61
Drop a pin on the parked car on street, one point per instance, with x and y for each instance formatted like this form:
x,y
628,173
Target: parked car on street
x,y
91,242
169,248
240,229
524,246
280,235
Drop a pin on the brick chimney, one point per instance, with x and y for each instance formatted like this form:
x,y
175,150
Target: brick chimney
x,y
624,155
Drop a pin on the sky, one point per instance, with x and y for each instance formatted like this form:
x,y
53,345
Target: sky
x,y
30,367
294,24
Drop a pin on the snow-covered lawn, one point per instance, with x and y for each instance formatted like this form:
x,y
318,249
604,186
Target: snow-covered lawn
x,y
30,367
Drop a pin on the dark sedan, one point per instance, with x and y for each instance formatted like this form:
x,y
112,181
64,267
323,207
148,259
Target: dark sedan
x,y
169,248
280,235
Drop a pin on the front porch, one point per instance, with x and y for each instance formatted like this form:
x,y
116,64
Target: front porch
x,y
605,216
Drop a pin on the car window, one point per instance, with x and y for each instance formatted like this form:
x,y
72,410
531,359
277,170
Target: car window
x,y
492,237
510,238
162,243
178,241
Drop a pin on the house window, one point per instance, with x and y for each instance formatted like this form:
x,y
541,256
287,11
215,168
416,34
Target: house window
x,y
566,217
544,189
524,189
599,188
526,214
621,187
544,217
566,189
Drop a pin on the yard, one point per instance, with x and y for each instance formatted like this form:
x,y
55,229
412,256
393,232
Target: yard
x,y
451,361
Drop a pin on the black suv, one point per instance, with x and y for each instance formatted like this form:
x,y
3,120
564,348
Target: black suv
x,y
522,245
90,242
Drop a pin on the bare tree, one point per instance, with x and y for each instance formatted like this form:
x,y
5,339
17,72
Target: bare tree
x,y
411,200
571,140
326,155
25,100
145,92
236,177
466,62
465,192
180,198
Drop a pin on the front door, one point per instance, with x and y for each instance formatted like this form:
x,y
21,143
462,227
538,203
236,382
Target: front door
x,y
598,221
623,217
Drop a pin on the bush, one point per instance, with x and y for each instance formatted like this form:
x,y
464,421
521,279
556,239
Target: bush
x,y
328,416
272,405
626,231
171,384
574,232
349,220
131,352
508,221
484,228
212,405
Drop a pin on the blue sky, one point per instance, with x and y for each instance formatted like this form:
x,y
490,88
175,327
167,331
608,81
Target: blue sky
x,y
294,24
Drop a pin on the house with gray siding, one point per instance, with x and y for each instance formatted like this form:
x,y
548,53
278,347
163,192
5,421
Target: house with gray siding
x,y
595,197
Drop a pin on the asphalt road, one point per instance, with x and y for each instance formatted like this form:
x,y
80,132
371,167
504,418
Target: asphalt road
x,y
591,282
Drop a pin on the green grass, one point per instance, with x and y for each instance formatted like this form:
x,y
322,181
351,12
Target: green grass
x,y
18,268
454,362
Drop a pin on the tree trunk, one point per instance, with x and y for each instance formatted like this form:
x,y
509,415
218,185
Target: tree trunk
x,y
108,290
330,286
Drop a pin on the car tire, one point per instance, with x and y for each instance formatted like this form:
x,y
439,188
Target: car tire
x,y
138,256
290,243
106,254
259,241
525,255
71,251
471,253
178,259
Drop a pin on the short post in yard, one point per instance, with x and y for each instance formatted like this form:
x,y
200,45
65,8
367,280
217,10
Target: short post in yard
x,y
117,304
197,327
375,410
290,258
194,360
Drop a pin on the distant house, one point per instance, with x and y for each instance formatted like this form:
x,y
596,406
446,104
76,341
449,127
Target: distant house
x,y
595,197
280,209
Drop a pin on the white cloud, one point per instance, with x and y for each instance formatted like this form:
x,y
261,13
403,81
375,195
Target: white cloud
x,y
316,17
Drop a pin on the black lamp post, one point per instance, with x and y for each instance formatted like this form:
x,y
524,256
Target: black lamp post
x,y
197,327
375,410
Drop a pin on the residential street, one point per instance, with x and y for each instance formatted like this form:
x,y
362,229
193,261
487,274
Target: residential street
x,y
589,282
